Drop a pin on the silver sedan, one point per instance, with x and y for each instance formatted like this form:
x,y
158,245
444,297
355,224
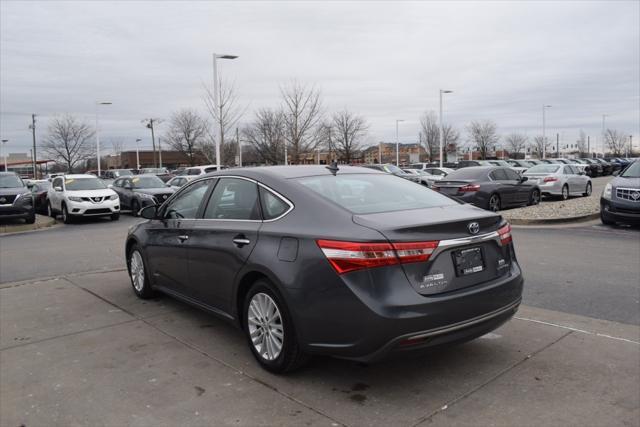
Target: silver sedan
x,y
559,180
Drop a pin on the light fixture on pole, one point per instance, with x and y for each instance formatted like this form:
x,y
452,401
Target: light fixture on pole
x,y
604,116
98,104
215,101
544,131
4,154
138,154
441,138
398,143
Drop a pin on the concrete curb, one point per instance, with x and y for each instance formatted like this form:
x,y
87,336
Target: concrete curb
x,y
6,229
543,221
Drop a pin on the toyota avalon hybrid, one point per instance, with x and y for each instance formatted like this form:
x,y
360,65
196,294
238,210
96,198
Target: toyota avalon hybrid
x,y
347,262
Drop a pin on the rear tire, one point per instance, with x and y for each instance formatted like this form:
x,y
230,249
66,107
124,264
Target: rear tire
x,y
265,330
494,203
66,218
588,190
534,198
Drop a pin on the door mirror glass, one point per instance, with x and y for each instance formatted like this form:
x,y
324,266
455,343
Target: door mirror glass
x,y
149,212
523,179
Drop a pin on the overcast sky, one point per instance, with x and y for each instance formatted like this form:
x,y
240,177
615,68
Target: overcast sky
x,y
383,60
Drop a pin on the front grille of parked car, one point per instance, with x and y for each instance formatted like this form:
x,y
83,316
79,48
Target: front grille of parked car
x,y
96,211
7,200
160,198
631,194
93,199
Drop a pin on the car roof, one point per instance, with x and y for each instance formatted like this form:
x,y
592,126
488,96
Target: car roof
x,y
9,173
289,172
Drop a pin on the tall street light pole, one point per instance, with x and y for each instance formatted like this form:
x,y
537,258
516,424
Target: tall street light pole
x,y
216,85
98,104
604,116
4,154
544,131
398,143
138,154
441,129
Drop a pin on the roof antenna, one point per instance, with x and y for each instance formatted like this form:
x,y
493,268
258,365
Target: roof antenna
x,y
333,167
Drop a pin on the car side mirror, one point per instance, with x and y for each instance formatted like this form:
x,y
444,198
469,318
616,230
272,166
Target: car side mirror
x,y
57,188
149,212
616,173
168,184
523,179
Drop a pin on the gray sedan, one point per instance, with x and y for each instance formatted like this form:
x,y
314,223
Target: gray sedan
x,y
560,180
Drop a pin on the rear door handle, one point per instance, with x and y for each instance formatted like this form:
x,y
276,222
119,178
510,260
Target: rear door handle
x,y
241,241
183,238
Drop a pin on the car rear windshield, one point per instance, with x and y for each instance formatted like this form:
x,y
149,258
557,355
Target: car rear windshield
x,y
468,173
76,184
147,182
365,194
633,171
10,181
543,169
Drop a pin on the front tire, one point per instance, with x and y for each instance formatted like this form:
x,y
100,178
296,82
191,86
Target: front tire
x,y
269,330
31,219
565,192
50,211
138,274
115,217
66,218
534,198
135,207
588,190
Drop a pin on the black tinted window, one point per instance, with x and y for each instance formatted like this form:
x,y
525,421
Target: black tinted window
x,y
499,175
186,204
193,172
468,173
234,198
272,205
511,174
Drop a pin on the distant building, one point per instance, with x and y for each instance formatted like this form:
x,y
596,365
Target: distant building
x,y
385,152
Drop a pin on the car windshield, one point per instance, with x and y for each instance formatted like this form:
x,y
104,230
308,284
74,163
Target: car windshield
x,y
76,184
543,169
147,182
468,173
633,171
154,170
365,194
392,169
10,181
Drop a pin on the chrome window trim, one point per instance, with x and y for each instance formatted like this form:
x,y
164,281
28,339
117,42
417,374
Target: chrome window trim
x,y
266,187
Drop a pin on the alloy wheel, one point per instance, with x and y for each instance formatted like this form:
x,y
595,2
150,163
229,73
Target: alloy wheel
x,y
137,270
565,192
589,189
535,197
265,326
494,203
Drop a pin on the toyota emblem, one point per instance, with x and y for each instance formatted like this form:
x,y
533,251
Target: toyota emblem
x,y
473,227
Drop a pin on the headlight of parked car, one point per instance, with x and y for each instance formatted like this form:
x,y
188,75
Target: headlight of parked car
x,y
75,199
606,194
113,197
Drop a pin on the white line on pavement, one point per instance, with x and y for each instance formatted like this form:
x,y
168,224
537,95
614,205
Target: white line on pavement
x,y
578,330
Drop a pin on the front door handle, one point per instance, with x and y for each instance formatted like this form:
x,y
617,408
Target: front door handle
x,y
240,241
183,238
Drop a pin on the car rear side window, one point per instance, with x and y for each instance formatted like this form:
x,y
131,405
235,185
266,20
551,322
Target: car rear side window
x,y
364,194
511,175
498,175
235,199
272,205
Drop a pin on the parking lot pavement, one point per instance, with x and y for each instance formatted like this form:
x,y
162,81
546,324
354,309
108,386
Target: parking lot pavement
x,y
84,350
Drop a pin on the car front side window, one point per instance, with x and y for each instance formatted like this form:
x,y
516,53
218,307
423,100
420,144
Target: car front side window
x,y
235,199
187,203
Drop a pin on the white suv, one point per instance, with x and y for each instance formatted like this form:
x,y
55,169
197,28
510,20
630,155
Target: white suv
x,y
201,170
81,195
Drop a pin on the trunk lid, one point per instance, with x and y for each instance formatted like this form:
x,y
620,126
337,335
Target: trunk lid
x,y
443,271
452,188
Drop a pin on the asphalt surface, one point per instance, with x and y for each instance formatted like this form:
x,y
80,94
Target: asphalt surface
x,y
589,270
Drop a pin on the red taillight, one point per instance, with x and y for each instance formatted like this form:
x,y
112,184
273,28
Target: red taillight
x,y
469,188
351,256
434,188
550,179
505,234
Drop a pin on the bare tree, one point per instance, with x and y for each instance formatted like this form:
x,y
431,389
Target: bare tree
x,y
483,135
583,146
348,131
266,135
69,141
225,116
540,145
615,141
430,133
516,142
117,144
302,116
451,137
187,131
